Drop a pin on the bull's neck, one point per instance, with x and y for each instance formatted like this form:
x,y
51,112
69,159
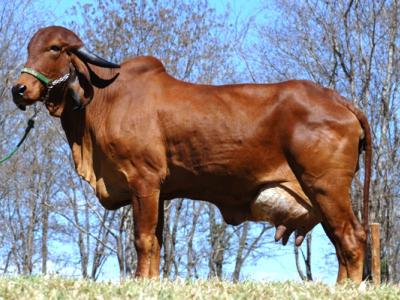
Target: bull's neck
x,y
76,122
82,126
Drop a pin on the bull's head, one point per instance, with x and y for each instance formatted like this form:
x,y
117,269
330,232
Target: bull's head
x,y
58,70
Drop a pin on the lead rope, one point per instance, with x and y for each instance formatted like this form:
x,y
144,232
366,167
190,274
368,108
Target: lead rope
x,y
31,123
50,84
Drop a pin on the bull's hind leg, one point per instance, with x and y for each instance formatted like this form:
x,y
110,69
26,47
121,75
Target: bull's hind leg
x,y
342,272
331,194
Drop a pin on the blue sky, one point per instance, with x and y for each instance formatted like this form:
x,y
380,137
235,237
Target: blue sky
x,y
278,265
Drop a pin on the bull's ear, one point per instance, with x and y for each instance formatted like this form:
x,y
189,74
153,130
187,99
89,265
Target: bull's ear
x,y
80,87
98,81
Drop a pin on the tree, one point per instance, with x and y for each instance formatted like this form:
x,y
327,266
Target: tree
x,y
351,46
28,186
306,259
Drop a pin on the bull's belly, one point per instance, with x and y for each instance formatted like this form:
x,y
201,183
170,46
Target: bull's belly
x,y
279,207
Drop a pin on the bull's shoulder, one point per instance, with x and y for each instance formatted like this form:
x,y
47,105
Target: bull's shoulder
x,y
142,64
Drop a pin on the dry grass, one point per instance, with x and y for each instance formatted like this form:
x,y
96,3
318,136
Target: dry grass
x,y
61,288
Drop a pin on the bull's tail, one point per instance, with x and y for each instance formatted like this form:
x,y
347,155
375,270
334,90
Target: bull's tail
x,y
366,145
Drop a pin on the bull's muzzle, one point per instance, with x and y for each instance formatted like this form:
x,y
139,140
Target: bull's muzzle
x,y
18,91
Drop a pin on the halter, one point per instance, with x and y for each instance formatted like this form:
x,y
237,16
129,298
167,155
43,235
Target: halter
x,y
49,84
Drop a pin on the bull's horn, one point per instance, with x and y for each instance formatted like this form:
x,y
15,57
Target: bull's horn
x,y
92,58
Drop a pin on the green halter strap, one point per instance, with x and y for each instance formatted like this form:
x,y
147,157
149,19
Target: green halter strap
x,y
37,75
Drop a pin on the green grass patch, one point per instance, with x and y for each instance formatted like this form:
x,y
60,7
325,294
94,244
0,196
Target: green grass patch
x,y
61,288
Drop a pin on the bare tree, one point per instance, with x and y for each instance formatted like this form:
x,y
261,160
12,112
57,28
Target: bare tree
x,y
351,46
306,259
171,224
250,239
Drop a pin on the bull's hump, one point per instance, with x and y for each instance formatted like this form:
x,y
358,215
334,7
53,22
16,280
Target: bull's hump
x,y
143,64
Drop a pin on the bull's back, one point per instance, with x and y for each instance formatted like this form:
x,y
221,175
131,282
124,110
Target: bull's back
x,y
206,126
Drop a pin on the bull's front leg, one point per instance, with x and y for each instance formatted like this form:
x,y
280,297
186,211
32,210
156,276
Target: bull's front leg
x,y
157,242
148,221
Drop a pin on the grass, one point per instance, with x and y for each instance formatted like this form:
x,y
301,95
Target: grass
x,y
61,288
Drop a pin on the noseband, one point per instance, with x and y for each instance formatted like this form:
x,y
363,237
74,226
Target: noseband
x,y
48,83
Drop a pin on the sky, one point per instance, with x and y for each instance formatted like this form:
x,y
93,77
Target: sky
x,y
279,264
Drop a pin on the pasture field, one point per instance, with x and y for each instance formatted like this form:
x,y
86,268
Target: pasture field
x,y
61,288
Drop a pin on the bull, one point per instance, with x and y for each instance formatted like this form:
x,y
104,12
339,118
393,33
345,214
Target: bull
x,y
285,152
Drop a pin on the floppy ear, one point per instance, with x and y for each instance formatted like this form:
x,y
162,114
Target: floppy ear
x,y
83,80
80,86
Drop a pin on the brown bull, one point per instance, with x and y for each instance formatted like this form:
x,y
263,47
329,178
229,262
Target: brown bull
x,y
285,153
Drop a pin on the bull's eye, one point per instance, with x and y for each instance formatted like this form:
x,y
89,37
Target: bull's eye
x,y
55,48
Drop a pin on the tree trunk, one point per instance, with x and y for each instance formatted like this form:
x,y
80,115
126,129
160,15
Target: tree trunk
x,y
305,258
239,256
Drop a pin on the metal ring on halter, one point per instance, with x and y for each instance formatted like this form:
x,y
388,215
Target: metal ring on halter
x,y
53,84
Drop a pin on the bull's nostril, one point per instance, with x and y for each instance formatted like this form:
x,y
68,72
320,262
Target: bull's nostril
x,y
18,95
18,90
21,89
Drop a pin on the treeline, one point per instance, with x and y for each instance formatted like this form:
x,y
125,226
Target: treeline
x,y
50,218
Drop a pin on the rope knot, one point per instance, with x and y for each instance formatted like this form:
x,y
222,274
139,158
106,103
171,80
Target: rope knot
x,y
31,123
